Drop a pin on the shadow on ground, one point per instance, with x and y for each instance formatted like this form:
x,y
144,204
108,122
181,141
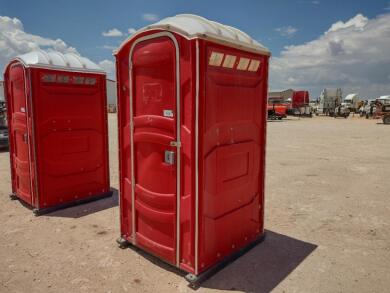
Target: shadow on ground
x,y
276,121
295,118
88,208
4,150
263,267
259,270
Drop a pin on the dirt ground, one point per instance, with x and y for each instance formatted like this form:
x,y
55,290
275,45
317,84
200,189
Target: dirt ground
x,y
327,216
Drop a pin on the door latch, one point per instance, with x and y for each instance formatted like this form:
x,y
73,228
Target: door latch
x,y
175,143
169,157
25,137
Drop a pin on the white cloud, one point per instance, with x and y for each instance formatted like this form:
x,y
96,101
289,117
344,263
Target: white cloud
x,y
357,22
15,41
352,55
112,33
287,31
108,66
131,30
107,47
150,17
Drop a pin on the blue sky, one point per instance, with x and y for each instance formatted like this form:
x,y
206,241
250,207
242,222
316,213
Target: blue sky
x,y
276,24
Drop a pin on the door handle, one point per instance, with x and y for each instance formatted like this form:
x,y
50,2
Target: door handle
x,y
169,157
25,137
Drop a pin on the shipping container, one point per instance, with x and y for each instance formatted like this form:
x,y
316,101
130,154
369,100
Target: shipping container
x,y
57,121
192,112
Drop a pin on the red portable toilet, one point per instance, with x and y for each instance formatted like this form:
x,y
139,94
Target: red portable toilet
x,y
192,108
57,130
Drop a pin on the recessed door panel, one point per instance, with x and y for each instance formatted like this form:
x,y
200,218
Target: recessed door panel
x,y
18,127
155,160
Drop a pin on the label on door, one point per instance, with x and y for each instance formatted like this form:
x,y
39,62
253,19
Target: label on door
x,y
168,113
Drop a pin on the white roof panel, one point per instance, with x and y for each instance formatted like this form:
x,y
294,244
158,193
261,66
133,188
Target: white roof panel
x,y
57,60
194,26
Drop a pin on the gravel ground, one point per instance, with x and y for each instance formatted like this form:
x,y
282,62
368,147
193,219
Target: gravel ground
x,y
327,216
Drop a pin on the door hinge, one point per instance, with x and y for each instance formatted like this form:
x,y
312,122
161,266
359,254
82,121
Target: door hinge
x,y
175,144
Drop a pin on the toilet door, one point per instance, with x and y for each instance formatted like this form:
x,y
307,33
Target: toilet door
x,y
19,133
155,142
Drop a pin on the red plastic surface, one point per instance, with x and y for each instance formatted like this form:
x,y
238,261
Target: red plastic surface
x,y
231,144
66,135
300,99
20,158
155,181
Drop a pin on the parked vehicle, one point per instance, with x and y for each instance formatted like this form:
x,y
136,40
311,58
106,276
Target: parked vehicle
x,y
386,114
367,109
299,99
384,100
3,126
360,107
328,101
277,111
375,107
364,106
341,111
351,102
299,104
3,137
306,111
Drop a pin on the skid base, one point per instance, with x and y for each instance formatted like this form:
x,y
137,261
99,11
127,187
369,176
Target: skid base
x,y
196,280
122,243
38,212
13,196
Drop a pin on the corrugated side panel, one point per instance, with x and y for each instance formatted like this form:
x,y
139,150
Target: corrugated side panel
x,y
232,187
71,135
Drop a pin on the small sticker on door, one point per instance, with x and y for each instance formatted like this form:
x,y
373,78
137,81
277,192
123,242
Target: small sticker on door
x,y
23,110
168,113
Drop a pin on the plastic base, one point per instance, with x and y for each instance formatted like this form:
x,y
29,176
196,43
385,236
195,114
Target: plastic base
x,y
13,196
39,212
196,280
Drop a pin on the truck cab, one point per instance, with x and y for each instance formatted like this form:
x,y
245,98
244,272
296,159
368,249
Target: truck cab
x,y
3,125
351,102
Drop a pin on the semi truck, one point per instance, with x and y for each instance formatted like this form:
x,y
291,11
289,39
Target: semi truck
x,y
352,102
329,100
300,104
